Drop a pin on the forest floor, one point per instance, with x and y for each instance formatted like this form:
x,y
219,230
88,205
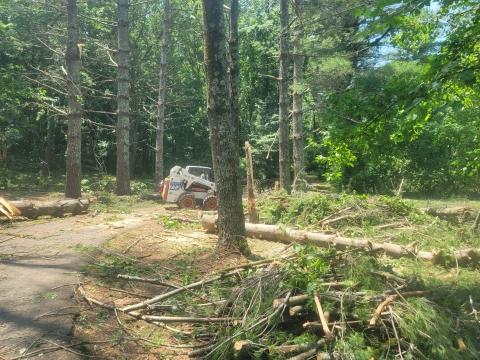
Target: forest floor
x,y
45,263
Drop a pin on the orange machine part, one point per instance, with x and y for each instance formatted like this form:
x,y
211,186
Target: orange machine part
x,y
198,189
166,186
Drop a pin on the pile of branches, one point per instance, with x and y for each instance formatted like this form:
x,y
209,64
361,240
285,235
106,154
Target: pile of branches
x,y
310,303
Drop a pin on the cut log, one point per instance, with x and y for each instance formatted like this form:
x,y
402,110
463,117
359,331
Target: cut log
x,y
33,209
297,348
288,235
466,256
449,212
295,310
293,300
434,257
242,349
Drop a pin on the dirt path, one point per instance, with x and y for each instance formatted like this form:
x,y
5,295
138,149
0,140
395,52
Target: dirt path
x,y
40,262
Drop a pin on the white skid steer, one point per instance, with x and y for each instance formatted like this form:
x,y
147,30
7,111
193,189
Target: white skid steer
x,y
190,187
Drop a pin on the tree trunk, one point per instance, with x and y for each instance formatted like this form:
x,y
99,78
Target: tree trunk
x,y
74,136
283,134
133,117
223,131
252,211
123,112
161,96
234,70
47,163
34,209
288,235
300,179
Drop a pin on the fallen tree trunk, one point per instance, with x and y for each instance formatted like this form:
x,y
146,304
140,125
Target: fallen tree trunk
x,y
33,209
448,212
288,235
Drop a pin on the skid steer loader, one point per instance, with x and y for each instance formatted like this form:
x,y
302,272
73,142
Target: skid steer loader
x,y
190,187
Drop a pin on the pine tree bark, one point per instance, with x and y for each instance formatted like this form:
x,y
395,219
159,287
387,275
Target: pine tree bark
x,y
223,133
234,70
161,96
123,112
47,163
300,179
74,135
133,118
283,133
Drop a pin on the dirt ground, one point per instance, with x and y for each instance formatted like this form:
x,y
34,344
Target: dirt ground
x,y
44,262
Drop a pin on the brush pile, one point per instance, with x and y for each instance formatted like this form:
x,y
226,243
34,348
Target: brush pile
x,y
313,303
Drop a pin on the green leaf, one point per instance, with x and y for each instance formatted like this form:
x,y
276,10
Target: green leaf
x,y
311,287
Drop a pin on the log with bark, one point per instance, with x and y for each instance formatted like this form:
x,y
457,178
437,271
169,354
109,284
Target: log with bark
x,y
296,348
288,235
449,212
33,209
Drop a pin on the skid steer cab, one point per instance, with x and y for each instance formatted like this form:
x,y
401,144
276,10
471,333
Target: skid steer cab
x,y
190,187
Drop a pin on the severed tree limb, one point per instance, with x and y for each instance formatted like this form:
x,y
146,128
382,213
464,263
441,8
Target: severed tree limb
x,y
93,301
265,319
161,297
295,310
294,300
259,262
389,299
321,222
395,332
316,324
448,212
477,222
193,320
333,284
150,281
329,356
339,218
380,308
304,356
474,311
288,349
202,351
328,334
244,348
386,226
132,245
389,276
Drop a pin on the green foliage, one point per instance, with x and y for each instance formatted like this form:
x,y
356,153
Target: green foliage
x,y
306,272
397,206
168,222
307,210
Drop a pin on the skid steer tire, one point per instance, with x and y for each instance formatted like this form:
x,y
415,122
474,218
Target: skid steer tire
x,y
210,203
186,201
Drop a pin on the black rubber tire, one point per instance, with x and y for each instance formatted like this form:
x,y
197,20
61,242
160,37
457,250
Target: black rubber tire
x,y
210,203
186,201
